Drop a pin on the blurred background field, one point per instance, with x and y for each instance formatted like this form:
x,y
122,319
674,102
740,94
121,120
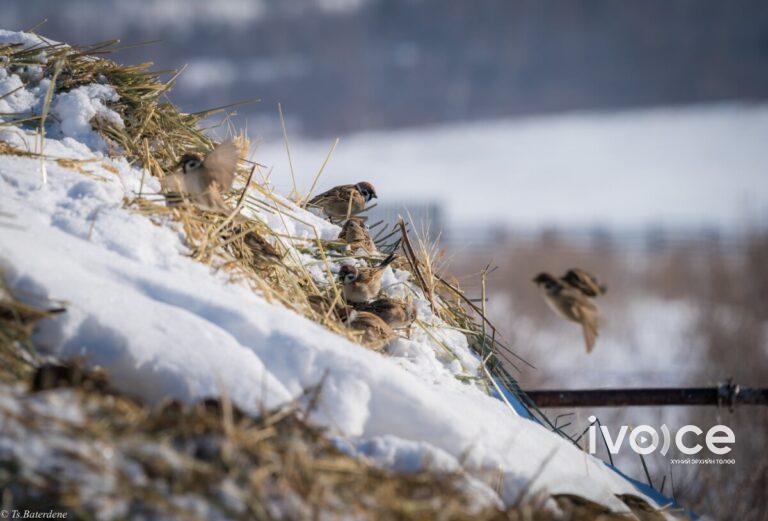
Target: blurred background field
x,y
627,138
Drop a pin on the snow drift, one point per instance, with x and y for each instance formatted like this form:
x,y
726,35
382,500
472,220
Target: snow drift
x,y
165,325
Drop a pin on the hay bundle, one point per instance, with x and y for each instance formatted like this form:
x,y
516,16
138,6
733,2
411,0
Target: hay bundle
x,y
154,136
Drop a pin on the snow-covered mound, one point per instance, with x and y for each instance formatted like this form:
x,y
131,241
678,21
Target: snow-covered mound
x,y
165,325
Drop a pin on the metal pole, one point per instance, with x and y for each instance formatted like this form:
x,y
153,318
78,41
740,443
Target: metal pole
x,y
727,395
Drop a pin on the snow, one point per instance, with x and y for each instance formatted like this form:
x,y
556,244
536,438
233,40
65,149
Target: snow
x,y
684,166
26,39
78,107
164,325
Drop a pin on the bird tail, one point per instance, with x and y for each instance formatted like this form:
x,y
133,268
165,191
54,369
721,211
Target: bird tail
x,y
386,262
589,329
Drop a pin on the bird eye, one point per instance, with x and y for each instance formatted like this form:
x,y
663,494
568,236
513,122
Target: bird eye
x,y
349,277
190,164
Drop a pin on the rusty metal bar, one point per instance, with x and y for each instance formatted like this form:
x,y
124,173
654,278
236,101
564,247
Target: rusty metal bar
x,y
727,395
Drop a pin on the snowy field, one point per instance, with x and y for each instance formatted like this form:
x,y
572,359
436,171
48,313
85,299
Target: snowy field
x,y
700,165
164,325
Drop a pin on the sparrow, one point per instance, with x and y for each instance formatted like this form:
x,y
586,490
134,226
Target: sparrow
x,y
396,313
320,304
355,233
344,200
570,303
203,179
238,238
362,284
259,246
52,375
376,333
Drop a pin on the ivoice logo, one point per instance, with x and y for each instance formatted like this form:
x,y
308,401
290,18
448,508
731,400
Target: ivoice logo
x,y
644,439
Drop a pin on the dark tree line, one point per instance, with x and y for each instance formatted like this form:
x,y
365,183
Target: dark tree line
x,y
393,63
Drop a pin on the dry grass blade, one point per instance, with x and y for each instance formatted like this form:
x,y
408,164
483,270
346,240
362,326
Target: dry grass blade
x,y
294,190
410,254
319,173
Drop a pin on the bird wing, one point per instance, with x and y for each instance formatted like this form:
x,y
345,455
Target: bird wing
x,y
584,282
572,302
221,164
341,192
357,235
366,275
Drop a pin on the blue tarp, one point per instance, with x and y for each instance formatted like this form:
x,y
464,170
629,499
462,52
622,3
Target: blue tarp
x,y
661,500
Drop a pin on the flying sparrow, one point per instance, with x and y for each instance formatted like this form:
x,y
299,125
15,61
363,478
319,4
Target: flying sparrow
x,y
344,200
355,233
204,179
362,284
396,313
570,303
376,333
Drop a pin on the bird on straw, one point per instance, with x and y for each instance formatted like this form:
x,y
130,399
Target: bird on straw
x,y
240,235
361,284
344,200
203,179
355,233
376,333
322,304
396,313
570,297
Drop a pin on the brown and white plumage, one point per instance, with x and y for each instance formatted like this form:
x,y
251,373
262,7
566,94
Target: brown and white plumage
x,y
361,284
243,241
321,305
396,313
376,333
584,282
344,200
260,247
355,233
571,304
202,180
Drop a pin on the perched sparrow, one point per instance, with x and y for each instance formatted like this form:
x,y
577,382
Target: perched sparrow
x,y
376,333
355,233
238,238
571,304
321,304
584,282
363,284
396,313
260,247
204,179
344,200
